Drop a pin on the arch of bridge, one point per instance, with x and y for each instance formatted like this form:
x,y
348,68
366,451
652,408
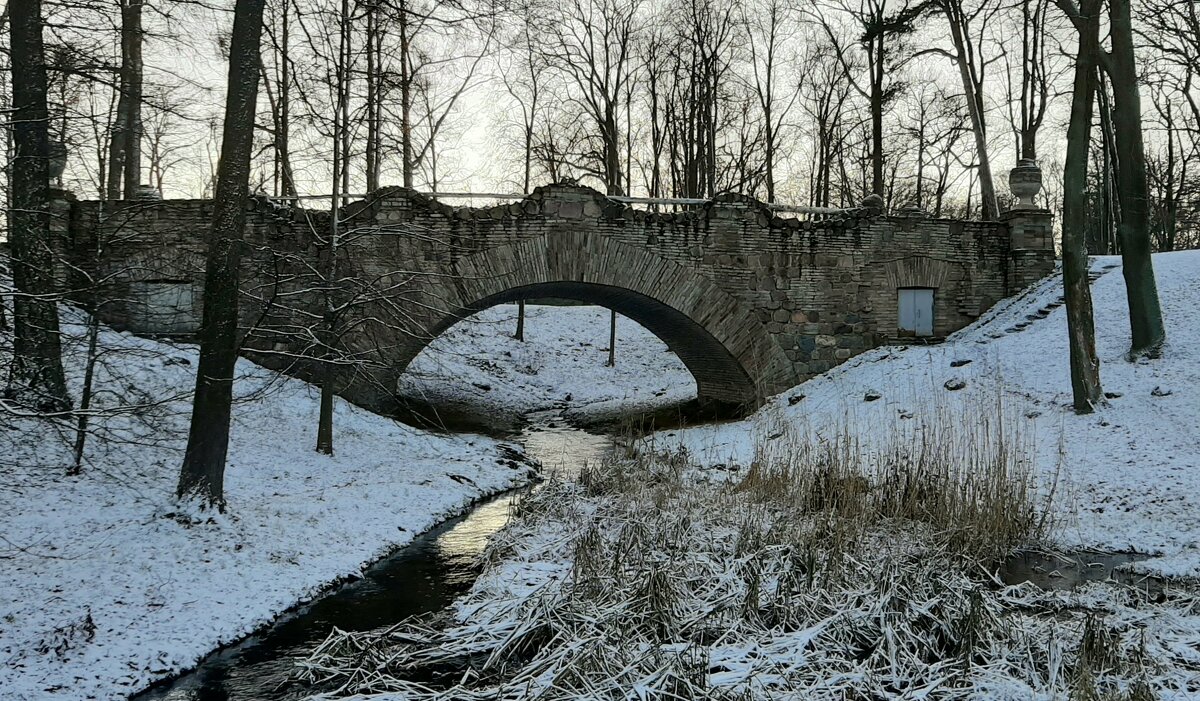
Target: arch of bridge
x,y
729,352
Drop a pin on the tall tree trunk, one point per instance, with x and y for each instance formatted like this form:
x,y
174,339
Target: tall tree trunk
x,y
124,148
612,151
875,60
1085,366
1110,210
373,96
921,163
1145,314
131,47
36,376
971,90
406,144
203,473
283,109
341,161
612,338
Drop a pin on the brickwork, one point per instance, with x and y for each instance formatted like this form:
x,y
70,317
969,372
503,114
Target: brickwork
x,y
751,301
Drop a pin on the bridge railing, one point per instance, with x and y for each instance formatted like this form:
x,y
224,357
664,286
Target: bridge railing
x,y
657,204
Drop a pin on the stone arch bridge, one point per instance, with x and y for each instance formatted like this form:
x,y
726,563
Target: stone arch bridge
x,y
751,299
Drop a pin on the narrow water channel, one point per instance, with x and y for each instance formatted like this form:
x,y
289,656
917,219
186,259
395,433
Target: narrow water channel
x,y
427,575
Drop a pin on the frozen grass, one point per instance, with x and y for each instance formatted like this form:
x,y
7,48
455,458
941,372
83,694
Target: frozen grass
x,y
824,572
967,474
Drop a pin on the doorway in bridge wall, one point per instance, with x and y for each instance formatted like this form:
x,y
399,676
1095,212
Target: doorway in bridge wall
x,y
915,311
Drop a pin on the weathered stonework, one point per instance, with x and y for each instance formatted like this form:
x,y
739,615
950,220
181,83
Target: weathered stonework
x,y
751,301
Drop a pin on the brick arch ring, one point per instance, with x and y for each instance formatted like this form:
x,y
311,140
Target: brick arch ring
x,y
726,348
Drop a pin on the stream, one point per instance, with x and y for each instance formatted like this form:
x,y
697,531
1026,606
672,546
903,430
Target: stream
x,y
439,566
422,577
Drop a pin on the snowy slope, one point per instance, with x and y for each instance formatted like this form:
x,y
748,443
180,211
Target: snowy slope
x,y
1130,473
105,585
562,363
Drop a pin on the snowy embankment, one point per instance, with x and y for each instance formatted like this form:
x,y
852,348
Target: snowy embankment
x,y
477,365
1127,477
106,584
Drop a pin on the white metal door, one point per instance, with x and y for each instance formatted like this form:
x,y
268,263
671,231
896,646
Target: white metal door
x,y
916,311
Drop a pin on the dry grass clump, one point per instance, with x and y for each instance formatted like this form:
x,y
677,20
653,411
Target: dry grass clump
x,y
970,478
827,572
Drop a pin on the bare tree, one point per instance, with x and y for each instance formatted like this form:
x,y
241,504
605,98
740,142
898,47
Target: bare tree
x,y
591,42
124,160
1172,174
36,377
826,96
1085,366
967,27
879,25
202,476
769,29
523,80
1035,79
1145,313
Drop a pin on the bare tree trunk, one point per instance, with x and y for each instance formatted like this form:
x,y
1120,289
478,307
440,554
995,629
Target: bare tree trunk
x,y
36,376
406,144
124,156
203,473
131,46
85,394
877,75
279,117
1035,88
968,72
341,157
1145,314
612,338
373,96
1110,210
283,128
520,335
1085,366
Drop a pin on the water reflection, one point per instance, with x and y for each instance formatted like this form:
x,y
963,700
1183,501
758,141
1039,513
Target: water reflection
x,y
426,576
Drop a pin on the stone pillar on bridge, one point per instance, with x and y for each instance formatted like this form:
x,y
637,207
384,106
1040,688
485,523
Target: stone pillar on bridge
x,y
1030,229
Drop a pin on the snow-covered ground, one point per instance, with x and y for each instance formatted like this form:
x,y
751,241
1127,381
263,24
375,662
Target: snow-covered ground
x,y
106,584
562,363
1130,473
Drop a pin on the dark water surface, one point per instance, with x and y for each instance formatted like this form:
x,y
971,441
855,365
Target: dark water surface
x,y
427,575
1065,571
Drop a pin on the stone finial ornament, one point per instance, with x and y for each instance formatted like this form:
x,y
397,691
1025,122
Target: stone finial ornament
x,y
873,202
1025,181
